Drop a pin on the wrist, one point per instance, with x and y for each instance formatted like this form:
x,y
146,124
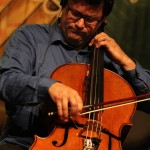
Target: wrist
x,y
128,65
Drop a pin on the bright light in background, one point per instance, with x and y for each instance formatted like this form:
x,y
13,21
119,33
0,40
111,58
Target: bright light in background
x,y
133,1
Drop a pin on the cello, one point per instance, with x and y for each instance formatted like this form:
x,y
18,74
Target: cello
x,y
96,130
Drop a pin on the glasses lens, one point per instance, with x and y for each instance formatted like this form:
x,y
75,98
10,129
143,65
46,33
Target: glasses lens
x,y
77,15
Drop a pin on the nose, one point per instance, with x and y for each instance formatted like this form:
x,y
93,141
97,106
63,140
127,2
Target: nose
x,y
80,23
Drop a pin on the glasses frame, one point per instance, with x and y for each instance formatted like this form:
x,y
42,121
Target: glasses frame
x,y
76,15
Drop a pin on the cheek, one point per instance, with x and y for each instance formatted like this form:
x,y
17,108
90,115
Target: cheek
x,y
63,25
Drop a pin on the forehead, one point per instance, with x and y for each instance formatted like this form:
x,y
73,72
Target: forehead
x,y
86,8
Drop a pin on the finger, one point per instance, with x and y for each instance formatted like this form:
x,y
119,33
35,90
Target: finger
x,y
77,104
100,38
80,103
102,43
108,42
91,43
65,109
59,109
74,106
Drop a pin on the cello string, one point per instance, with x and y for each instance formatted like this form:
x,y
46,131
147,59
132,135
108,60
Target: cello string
x,y
97,86
92,93
100,128
100,77
88,127
92,87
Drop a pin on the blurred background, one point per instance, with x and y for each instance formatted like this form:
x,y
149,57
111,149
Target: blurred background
x,y
128,24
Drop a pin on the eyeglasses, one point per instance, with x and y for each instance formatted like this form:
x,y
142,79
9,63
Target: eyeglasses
x,y
87,19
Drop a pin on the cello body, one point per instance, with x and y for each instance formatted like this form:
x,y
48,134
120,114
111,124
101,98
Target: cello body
x,y
75,135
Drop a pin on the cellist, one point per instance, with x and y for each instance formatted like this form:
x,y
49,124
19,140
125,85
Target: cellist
x,y
35,51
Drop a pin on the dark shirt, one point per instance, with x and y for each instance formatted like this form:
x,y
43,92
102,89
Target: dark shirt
x,y
30,57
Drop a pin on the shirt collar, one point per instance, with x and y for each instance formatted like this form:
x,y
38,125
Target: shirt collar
x,y
56,36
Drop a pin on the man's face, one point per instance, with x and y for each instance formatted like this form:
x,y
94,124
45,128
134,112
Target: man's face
x,y
79,22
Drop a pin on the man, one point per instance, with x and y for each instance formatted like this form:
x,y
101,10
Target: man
x,y
35,51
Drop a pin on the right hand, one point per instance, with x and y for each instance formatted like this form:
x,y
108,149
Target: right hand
x,y
68,101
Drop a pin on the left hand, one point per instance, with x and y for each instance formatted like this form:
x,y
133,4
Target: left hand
x,y
114,50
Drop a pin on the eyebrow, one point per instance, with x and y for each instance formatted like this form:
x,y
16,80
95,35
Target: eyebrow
x,y
84,14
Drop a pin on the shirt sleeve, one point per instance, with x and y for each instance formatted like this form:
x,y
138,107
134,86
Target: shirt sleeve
x,y
139,79
19,82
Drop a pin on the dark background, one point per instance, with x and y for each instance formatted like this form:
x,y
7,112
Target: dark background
x,y
129,25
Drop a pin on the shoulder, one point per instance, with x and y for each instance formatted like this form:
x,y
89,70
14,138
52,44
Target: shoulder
x,y
34,33
35,29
